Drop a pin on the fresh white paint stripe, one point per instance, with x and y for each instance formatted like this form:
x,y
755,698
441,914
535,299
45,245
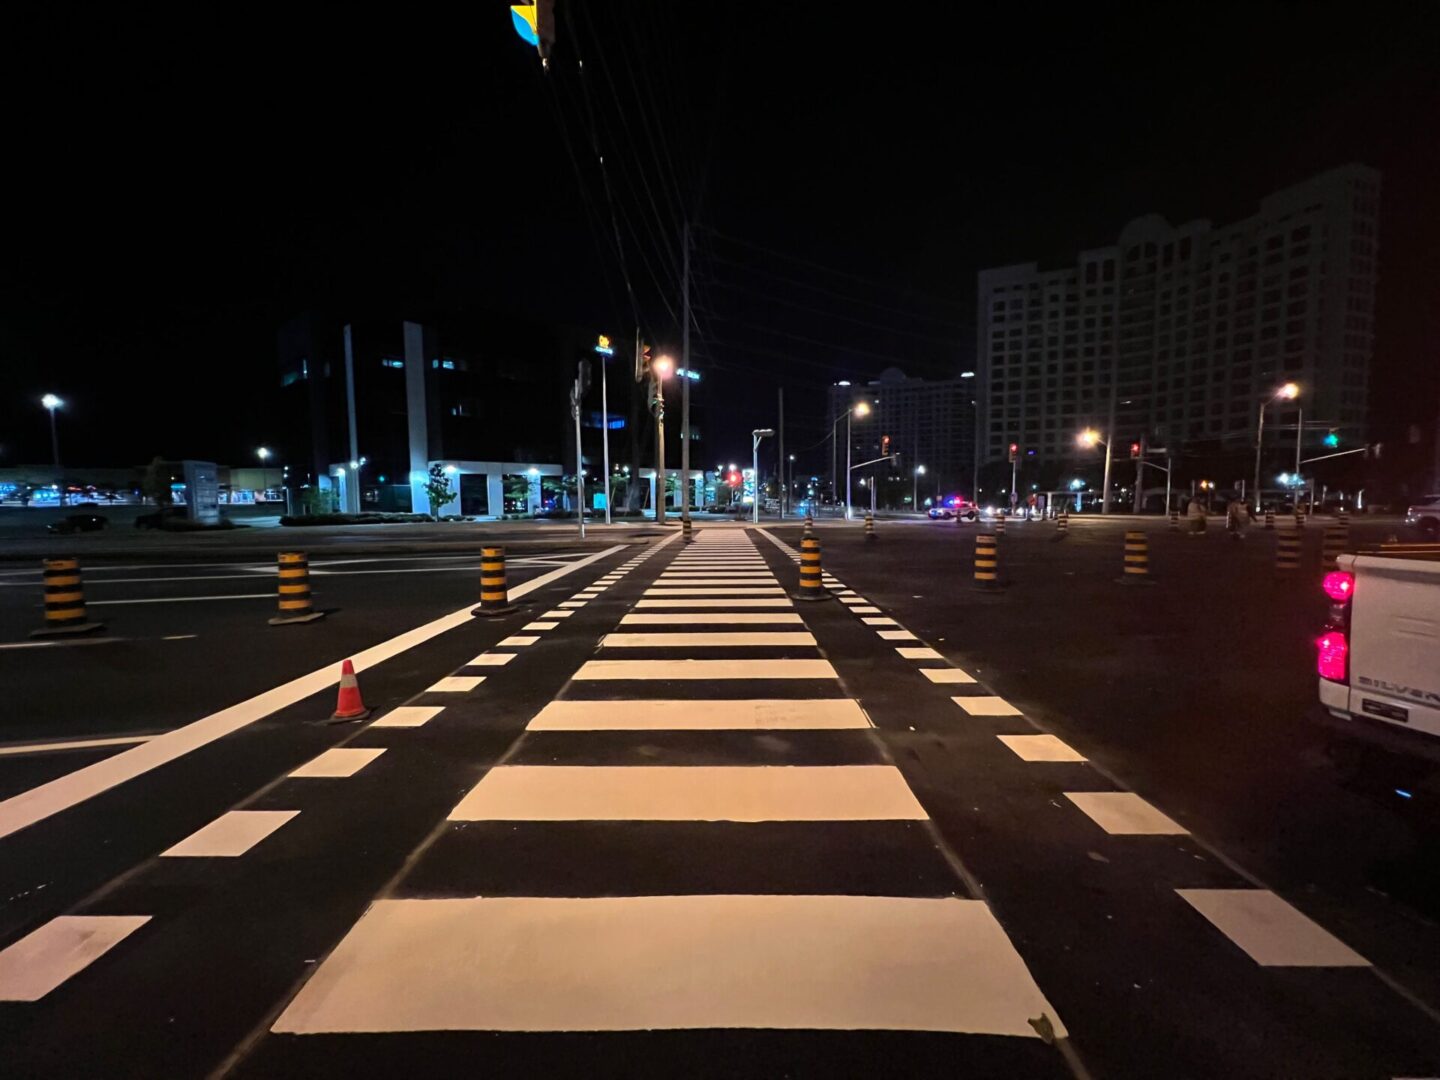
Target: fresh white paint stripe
x,y
80,744
736,618
572,603
702,639
865,609
705,669
557,614
690,793
1272,932
705,590
896,635
491,659
737,603
910,652
455,684
518,641
1123,813
337,762
409,716
878,620
946,675
58,950
69,790
231,834
852,600
540,626
644,963
1040,748
692,714
986,705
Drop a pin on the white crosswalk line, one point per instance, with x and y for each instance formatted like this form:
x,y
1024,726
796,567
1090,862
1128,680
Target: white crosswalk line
x,y
692,714
594,670
701,639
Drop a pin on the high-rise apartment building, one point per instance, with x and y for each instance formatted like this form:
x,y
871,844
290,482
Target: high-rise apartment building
x,y
1197,325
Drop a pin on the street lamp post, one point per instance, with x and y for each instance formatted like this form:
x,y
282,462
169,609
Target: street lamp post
x,y
661,368
1288,392
1090,438
789,484
51,403
915,494
861,409
755,437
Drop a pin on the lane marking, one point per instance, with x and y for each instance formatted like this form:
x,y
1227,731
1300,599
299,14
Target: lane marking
x,y
644,963
1269,930
1123,813
408,716
1040,748
73,744
230,835
701,639
455,684
917,653
878,620
690,793
491,659
182,599
986,705
517,641
702,603
691,714
865,609
557,614
946,675
540,626
707,590
705,669
572,603
61,948
736,618
896,635
337,762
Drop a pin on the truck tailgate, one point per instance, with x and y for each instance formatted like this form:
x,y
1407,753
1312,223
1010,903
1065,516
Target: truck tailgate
x,y
1395,641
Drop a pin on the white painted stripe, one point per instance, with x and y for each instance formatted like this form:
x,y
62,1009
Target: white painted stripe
x,y
705,590
540,626
69,790
455,684
572,603
878,620
73,744
692,714
337,762
409,716
911,652
736,618
896,635
852,600
557,614
690,793
717,575
643,963
1123,813
986,705
230,835
705,669
1040,748
491,659
517,641
946,675
702,639
47,956
736,603
865,609
1272,932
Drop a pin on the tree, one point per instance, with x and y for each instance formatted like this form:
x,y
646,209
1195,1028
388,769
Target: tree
x,y
437,487
156,484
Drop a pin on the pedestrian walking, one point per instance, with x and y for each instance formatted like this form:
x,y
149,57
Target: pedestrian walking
x,y
1195,513
1237,518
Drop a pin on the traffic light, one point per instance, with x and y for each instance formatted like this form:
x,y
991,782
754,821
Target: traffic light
x,y
1014,451
1332,440
1135,450
884,445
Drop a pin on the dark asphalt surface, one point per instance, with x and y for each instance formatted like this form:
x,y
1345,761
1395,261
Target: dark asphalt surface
x,y
1192,693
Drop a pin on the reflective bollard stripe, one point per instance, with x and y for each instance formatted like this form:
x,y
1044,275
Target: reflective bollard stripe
x,y
293,590
494,593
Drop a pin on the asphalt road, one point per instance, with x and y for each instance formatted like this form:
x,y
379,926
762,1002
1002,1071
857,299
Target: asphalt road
x,y
682,825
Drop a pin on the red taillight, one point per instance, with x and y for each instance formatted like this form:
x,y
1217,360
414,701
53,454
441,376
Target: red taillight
x,y
1334,651
1339,586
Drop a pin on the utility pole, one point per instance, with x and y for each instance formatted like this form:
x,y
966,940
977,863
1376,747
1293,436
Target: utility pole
x,y
685,384
784,487
659,398
1110,428
1139,501
576,393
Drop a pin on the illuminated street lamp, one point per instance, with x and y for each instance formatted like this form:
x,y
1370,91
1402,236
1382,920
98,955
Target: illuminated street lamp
x,y
51,403
862,410
263,454
1289,392
915,495
755,437
1089,439
660,369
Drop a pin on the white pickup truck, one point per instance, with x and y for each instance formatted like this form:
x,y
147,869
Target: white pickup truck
x,y
1379,655
1424,516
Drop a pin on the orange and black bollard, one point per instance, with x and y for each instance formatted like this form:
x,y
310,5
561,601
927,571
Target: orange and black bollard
x,y
65,601
1174,520
809,523
1270,519
1062,525
869,527
1332,546
494,594
1137,559
812,586
987,562
1000,523
1299,518
1287,551
686,535
296,603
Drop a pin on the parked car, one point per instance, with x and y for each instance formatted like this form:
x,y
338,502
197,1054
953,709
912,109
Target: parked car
x,y
1425,516
73,523
951,508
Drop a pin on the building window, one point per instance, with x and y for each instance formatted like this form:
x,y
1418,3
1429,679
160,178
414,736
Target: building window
x,y
397,364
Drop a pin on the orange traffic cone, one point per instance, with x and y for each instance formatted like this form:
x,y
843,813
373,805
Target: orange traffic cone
x,y
349,706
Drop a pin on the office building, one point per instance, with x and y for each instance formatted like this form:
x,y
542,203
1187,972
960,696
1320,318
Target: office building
x,y
1196,325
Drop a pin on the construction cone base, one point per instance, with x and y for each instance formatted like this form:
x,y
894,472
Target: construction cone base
x,y
59,631
286,620
1135,579
492,612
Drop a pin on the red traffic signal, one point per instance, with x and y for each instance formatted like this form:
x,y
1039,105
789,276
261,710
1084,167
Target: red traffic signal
x,y
733,479
1014,451
1134,449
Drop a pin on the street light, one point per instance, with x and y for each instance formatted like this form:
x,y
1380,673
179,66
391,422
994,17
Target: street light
x,y
1289,392
51,403
1088,439
755,437
263,454
862,410
660,369
915,495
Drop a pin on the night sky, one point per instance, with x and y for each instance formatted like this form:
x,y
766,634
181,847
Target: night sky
x,y
178,186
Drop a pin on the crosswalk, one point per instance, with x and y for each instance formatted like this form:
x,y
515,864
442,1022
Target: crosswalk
x,y
721,841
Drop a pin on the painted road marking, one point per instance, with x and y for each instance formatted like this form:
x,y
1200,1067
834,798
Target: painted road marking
x,y
1123,813
896,635
986,705
58,950
69,790
705,669
690,793
918,653
1040,748
946,675
707,640
1272,932
491,659
409,716
557,614
641,963
700,715
231,834
337,762
865,609
737,603
73,744
572,603
184,599
704,590
540,626
455,684
735,618
878,620
518,641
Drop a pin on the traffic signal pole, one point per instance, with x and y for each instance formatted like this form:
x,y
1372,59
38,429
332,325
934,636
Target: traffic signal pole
x,y
685,384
